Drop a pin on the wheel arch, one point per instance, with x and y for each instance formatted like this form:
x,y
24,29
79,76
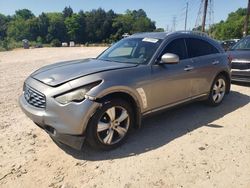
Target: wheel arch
x,y
128,97
228,79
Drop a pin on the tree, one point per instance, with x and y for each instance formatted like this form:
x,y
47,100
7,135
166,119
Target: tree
x,y
33,29
82,31
43,25
67,12
18,29
56,29
24,14
73,27
231,28
3,26
132,22
96,26
159,30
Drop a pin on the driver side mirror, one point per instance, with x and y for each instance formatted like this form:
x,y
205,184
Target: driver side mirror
x,y
170,58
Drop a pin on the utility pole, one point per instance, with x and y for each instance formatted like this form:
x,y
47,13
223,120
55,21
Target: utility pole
x,y
187,16
204,16
245,32
174,23
167,28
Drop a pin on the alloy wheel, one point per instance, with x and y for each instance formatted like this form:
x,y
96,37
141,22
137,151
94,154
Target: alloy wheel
x,y
113,125
219,90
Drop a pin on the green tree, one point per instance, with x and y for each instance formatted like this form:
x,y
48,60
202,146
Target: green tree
x,y
24,14
67,12
95,26
43,25
132,22
159,30
231,28
18,29
73,27
56,29
33,29
3,26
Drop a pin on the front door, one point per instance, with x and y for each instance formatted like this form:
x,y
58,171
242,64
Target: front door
x,y
171,83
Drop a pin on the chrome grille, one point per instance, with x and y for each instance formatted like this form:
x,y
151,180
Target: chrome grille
x,y
34,97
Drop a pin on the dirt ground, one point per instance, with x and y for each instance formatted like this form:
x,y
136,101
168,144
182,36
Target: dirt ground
x,y
191,146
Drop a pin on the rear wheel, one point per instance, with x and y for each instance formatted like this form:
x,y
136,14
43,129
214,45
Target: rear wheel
x,y
110,125
218,91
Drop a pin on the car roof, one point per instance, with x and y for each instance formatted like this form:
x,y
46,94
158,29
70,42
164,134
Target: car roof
x,y
156,35
163,35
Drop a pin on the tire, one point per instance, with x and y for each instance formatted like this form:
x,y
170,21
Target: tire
x,y
110,125
217,91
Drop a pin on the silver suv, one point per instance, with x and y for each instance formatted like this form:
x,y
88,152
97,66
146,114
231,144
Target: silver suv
x,y
102,99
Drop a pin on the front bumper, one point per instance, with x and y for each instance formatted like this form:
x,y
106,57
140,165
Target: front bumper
x,y
64,123
73,141
239,75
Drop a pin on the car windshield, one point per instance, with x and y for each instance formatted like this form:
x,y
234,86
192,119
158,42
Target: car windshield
x,y
131,50
243,44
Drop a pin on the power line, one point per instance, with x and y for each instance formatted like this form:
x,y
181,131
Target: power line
x,y
198,19
174,23
205,15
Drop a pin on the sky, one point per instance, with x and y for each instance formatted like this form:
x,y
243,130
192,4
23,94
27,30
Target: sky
x,y
160,11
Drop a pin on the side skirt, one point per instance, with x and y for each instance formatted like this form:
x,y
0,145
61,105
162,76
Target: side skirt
x,y
188,100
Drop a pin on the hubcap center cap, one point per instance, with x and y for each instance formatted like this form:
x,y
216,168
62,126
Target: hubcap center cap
x,y
116,123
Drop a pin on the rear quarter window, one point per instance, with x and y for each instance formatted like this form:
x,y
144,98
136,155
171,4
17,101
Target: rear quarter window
x,y
198,47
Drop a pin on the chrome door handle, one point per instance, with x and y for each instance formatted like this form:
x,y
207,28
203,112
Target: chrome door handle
x,y
215,62
188,68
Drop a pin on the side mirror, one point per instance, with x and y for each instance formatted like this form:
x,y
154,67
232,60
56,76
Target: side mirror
x,y
170,58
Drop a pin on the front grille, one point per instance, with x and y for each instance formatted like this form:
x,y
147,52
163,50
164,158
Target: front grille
x,y
240,65
34,97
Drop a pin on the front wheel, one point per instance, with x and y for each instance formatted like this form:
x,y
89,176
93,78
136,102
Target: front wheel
x,y
218,91
110,125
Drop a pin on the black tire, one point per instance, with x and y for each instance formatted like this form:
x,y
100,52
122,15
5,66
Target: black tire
x,y
96,138
211,98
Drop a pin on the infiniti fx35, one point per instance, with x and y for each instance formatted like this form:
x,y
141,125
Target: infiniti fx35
x,y
100,100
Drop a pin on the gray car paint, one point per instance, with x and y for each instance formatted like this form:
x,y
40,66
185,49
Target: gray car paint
x,y
59,73
152,86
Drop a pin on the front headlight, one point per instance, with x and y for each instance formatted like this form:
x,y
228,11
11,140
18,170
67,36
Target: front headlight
x,y
76,95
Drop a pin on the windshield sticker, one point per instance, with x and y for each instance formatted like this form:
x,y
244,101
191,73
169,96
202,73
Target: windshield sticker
x,y
152,40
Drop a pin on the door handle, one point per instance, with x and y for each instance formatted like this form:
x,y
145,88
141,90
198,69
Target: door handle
x,y
188,68
215,63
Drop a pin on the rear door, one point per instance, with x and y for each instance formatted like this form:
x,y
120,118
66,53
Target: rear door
x,y
205,60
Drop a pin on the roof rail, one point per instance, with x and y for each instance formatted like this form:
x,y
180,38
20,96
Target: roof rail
x,y
199,33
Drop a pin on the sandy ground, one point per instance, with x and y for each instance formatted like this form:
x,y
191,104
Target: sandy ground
x,y
192,146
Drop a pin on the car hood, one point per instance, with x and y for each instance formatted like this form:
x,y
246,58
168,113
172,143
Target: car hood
x,y
240,54
59,73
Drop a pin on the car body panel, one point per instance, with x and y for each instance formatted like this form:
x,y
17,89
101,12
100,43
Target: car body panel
x,y
60,73
173,84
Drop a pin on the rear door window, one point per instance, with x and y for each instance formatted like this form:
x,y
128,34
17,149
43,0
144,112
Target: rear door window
x,y
198,47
